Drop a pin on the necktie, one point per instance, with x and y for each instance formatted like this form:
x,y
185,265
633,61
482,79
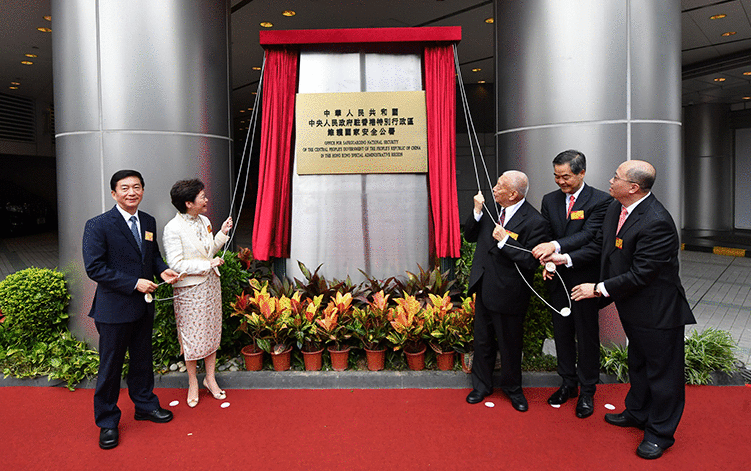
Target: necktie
x,y
134,230
570,205
621,219
502,218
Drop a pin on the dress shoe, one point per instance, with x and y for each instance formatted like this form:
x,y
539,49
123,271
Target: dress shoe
x,y
476,396
585,406
562,395
108,438
519,402
649,450
621,420
220,395
157,415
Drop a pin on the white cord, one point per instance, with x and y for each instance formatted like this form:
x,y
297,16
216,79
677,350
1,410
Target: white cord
x,y
472,133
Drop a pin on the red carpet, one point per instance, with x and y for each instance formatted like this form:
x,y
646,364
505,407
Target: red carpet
x,y
53,428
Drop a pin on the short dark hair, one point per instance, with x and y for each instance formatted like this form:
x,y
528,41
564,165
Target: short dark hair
x,y
123,174
574,158
183,191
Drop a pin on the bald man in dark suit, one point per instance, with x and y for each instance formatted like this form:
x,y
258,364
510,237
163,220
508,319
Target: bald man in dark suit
x,y
638,251
496,277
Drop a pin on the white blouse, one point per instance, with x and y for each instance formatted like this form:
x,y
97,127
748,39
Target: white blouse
x,y
189,247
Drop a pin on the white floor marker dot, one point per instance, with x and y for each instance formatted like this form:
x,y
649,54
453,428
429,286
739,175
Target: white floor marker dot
x,y
174,403
557,406
225,405
609,406
489,404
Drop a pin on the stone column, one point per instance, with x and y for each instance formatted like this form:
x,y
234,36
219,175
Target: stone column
x,y
600,76
144,85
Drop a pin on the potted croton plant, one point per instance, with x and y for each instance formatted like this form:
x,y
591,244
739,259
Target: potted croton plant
x,y
305,330
465,334
370,325
407,330
253,322
441,323
333,326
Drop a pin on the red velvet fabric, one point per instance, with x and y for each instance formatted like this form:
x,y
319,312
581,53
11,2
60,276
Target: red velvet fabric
x,y
440,97
271,228
361,35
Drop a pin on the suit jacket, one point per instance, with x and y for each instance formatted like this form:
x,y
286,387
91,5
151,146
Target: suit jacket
x,y
639,266
577,230
113,260
187,254
502,287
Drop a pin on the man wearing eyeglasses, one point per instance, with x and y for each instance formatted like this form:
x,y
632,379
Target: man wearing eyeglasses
x,y
574,216
638,251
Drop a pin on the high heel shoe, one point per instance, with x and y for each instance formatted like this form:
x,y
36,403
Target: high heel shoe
x,y
221,395
192,401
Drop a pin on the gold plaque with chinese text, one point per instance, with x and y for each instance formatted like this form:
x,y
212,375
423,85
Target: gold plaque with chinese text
x,y
364,132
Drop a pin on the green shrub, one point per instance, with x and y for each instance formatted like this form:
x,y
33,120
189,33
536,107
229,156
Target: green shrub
x,y
34,302
34,337
708,351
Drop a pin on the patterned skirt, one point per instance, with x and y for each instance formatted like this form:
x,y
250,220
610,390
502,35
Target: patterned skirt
x,y
198,312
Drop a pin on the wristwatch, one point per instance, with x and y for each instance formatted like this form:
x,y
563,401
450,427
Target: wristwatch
x,y
596,291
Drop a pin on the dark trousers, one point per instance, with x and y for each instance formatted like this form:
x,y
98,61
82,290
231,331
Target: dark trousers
x,y
577,342
656,359
114,341
495,331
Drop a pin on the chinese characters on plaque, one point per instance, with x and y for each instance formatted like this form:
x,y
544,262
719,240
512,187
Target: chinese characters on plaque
x,y
364,132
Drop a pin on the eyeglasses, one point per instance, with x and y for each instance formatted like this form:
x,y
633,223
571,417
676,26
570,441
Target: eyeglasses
x,y
616,177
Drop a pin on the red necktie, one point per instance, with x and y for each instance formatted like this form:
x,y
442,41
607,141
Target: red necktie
x,y
570,205
621,219
502,219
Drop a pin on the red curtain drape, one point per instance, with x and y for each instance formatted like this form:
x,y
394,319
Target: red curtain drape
x,y
271,227
440,97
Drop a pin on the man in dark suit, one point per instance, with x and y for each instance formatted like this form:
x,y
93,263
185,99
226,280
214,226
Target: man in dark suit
x,y
574,216
638,249
121,254
501,258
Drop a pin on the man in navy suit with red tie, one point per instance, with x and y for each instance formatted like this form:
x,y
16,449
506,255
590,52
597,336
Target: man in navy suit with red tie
x,y
638,251
574,216
121,254
501,259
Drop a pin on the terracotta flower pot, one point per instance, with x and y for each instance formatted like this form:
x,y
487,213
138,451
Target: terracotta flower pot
x,y
416,361
445,361
339,358
466,359
313,360
253,358
282,361
376,359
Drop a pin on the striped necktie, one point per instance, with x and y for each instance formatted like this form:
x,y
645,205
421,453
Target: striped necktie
x,y
134,230
570,206
621,219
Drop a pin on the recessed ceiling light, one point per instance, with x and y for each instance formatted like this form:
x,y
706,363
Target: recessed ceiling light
x,y
288,13
489,21
481,81
242,111
30,55
476,69
729,33
250,109
747,97
15,83
44,29
717,17
719,79
26,62
747,73
13,87
267,24
254,93
256,68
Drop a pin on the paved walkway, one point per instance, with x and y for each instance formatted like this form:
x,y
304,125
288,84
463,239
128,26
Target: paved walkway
x,y
717,286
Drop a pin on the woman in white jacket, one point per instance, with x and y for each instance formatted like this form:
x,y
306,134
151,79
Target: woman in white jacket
x,y
190,248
